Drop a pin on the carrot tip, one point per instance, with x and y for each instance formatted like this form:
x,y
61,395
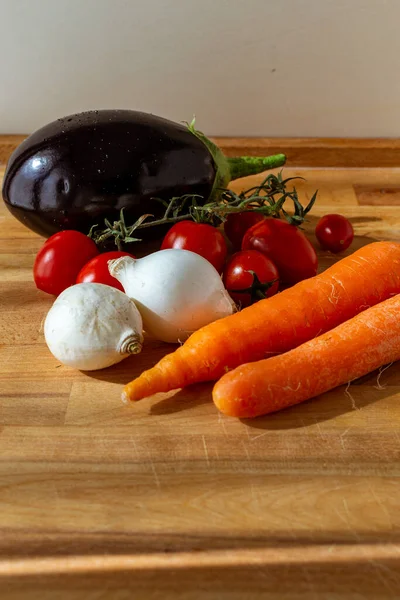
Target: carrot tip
x,y
125,398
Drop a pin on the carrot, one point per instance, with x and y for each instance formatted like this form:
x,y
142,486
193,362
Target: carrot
x,y
351,350
279,323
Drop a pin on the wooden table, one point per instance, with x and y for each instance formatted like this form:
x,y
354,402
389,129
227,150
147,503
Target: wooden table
x,y
169,499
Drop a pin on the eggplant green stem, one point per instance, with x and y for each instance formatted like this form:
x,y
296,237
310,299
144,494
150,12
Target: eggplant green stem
x,y
241,166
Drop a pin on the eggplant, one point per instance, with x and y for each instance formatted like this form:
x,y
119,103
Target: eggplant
x,y
79,170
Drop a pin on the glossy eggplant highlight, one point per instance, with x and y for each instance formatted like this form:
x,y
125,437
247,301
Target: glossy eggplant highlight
x,y
79,170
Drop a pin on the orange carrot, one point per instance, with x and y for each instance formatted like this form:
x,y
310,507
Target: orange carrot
x,y
351,350
280,323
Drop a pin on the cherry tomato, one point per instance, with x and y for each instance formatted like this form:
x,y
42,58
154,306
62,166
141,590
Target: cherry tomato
x,y
60,259
334,233
200,238
254,274
96,270
287,246
237,224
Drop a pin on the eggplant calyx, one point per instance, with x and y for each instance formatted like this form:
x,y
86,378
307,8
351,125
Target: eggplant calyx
x,y
221,164
228,169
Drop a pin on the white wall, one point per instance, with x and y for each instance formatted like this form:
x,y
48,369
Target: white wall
x,y
245,67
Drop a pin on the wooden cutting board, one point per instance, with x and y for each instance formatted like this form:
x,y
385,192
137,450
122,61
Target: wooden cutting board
x,y
168,498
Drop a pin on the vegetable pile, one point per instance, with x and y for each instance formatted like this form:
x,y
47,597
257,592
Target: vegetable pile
x,y
280,323
234,277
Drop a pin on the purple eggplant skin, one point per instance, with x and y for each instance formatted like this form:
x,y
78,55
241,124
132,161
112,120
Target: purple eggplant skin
x,y
79,170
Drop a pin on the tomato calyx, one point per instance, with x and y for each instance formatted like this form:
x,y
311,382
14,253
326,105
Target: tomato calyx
x,y
267,198
257,290
119,230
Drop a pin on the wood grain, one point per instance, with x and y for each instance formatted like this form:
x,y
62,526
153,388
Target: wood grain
x,y
8,143
168,498
302,152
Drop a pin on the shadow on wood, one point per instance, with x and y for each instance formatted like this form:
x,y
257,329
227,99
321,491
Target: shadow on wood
x,y
191,396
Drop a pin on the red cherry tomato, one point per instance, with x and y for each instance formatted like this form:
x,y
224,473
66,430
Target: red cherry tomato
x,y
96,270
237,224
60,259
334,233
200,238
287,246
251,271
